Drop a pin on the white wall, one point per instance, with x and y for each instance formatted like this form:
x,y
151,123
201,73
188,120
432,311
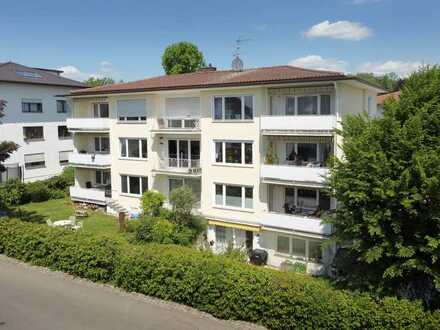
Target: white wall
x,y
12,126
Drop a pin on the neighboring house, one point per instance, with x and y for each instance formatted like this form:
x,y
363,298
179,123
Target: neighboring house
x,y
383,97
35,119
252,145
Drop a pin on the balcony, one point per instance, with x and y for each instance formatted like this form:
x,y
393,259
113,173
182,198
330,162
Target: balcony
x,y
178,126
92,125
312,176
298,125
88,195
90,160
187,167
296,223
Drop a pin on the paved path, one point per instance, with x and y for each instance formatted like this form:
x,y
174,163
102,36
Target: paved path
x,y
38,299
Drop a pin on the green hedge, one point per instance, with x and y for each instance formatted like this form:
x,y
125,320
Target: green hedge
x,y
217,285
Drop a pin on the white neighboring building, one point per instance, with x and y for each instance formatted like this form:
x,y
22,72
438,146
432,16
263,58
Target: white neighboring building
x,y
252,144
35,119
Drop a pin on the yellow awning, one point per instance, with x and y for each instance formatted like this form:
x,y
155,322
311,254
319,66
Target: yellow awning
x,y
234,225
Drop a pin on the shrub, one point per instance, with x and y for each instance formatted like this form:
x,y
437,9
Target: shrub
x,y
183,201
152,203
12,193
37,191
239,255
163,231
133,226
217,285
63,181
144,230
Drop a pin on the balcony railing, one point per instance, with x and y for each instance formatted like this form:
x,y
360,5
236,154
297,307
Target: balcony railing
x,y
88,124
184,124
320,124
189,166
305,174
98,160
91,195
295,222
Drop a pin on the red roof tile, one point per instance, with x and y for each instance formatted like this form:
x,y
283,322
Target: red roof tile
x,y
381,98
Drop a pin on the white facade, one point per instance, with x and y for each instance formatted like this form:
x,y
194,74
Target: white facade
x,y
50,148
250,198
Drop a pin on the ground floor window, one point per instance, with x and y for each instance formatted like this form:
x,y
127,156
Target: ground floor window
x,y
64,157
299,248
193,184
32,161
134,185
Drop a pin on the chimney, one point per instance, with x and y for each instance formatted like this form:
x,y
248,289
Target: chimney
x,y
208,68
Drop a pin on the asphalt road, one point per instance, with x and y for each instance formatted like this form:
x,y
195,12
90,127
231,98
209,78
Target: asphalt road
x,y
37,299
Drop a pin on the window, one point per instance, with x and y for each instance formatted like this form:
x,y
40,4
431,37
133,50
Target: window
x,y
290,106
63,132
233,107
134,185
62,106
233,152
64,157
307,105
102,177
33,133
234,196
298,248
370,105
184,153
141,118
193,184
133,148
102,144
100,110
307,152
307,198
32,161
28,106
132,110
325,105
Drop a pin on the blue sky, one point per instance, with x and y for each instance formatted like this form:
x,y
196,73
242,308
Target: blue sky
x,y
125,39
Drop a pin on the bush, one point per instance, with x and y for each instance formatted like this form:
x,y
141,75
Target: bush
x,y
63,181
157,230
239,255
133,226
217,285
152,203
37,191
12,193
183,201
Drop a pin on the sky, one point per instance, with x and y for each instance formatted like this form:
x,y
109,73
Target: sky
x,y
125,39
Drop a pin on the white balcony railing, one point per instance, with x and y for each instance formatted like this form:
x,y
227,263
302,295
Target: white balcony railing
x,y
178,124
88,124
313,175
90,160
318,123
92,195
296,223
189,166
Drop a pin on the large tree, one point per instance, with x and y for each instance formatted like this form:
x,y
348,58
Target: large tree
x,y
182,57
389,81
95,82
6,147
388,189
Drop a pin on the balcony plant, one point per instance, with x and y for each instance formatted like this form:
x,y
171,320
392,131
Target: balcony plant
x,y
271,157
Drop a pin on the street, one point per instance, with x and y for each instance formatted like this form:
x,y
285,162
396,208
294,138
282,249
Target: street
x,y
38,299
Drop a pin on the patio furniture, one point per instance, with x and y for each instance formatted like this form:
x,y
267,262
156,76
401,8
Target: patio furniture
x,y
62,223
77,226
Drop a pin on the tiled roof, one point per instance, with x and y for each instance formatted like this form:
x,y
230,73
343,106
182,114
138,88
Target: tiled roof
x,y
211,78
381,98
17,73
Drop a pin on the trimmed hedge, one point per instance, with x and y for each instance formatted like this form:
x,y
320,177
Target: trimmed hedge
x,y
217,285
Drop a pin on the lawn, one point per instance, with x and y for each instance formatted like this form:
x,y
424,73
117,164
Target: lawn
x,y
97,222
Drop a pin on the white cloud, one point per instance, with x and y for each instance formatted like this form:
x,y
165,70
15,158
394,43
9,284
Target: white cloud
x,y
401,68
344,30
106,69
319,63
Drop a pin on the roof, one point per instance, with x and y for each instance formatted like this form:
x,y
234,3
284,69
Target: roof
x,y
17,73
210,79
381,98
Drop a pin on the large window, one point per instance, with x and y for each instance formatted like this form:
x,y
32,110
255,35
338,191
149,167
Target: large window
x,y
100,110
32,106
134,185
63,132
33,133
234,196
133,148
32,161
298,248
102,177
300,200
102,144
132,110
308,154
184,153
193,184
62,106
301,105
233,107
233,152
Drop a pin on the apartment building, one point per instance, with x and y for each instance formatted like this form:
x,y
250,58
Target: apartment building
x,y
252,144
35,119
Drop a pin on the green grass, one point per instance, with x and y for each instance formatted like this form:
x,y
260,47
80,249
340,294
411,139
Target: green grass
x,y
97,222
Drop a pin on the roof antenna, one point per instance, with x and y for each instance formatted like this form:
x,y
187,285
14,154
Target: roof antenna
x,y
237,63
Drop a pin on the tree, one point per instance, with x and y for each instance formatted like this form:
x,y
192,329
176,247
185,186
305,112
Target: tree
x,y
183,201
182,57
152,203
6,147
388,189
389,81
95,82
